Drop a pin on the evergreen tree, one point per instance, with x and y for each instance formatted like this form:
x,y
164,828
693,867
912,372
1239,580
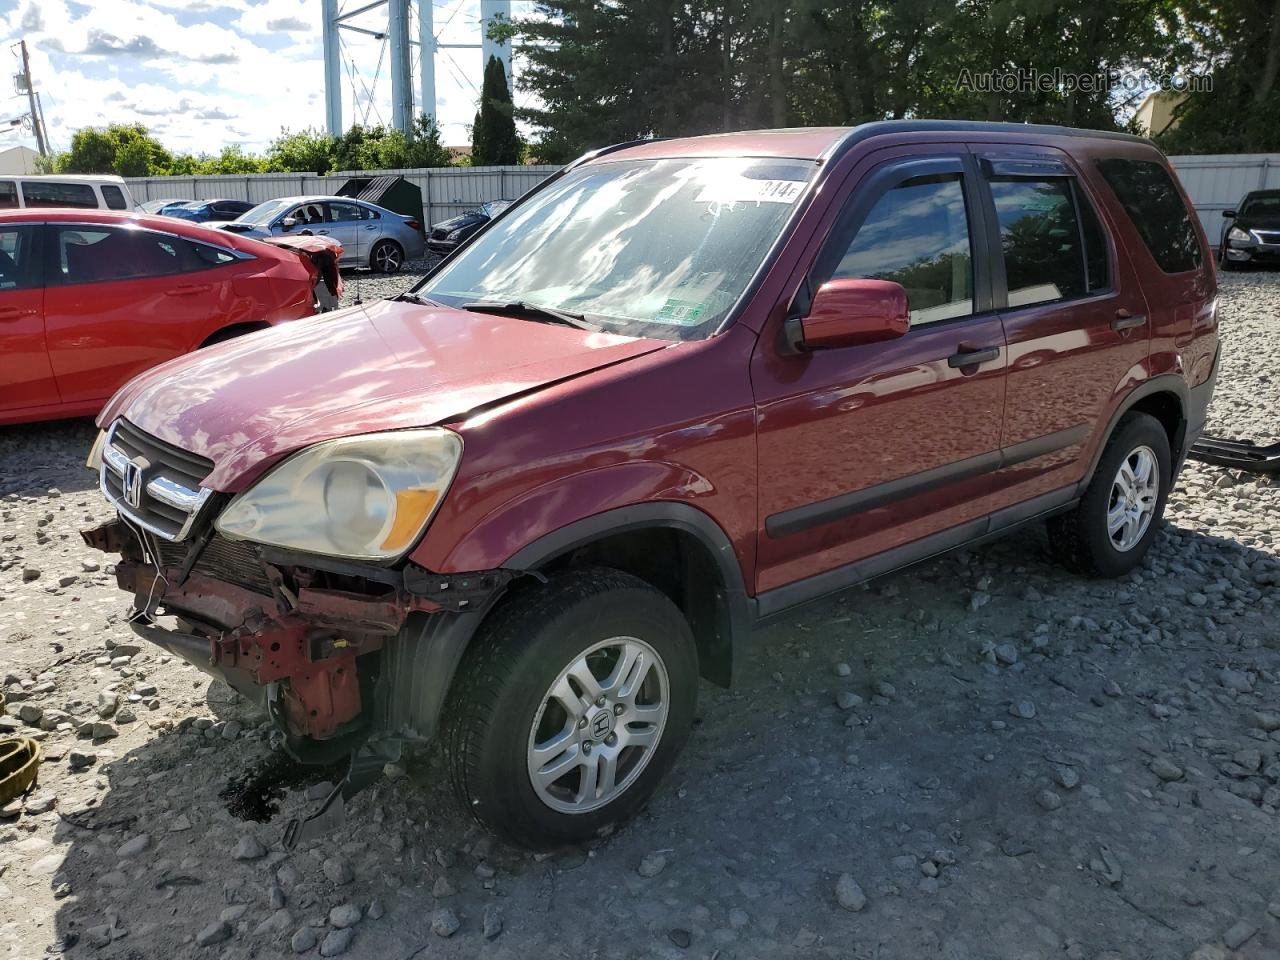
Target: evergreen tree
x,y
494,140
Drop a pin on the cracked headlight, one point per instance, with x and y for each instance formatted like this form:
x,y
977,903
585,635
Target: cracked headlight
x,y
368,497
1240,236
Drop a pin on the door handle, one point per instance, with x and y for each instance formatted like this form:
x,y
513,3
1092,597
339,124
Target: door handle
x,y
15,313
1127,321
970,358
371,227
188,289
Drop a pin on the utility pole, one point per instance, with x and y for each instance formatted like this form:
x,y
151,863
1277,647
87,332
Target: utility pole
x,y
31,99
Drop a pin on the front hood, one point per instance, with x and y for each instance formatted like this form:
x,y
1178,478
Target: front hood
x,y
247,403
235,226
457,223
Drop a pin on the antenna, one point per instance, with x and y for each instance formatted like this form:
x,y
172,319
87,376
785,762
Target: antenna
x,y
359,300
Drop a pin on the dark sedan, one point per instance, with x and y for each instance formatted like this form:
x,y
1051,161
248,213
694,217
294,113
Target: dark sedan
x,y
447,234
203,211
1252,231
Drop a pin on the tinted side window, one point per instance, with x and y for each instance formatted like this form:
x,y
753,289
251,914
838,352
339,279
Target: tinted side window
x,y
1041,239
18,265
918,235
207,255
344,212
8,195
114,197
1147,193
99,254
52,193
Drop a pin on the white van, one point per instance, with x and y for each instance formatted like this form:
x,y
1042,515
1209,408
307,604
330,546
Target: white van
x,y
65,190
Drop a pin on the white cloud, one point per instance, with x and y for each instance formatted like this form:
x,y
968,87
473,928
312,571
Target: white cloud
x,y
205,73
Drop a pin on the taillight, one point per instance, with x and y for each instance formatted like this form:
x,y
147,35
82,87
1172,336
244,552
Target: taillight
x,y
413,224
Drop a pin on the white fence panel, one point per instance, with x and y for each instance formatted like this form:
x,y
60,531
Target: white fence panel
x,y
1217,182
446,191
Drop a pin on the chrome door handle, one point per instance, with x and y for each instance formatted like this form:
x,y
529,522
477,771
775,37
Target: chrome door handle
x,y
1127,321
970,358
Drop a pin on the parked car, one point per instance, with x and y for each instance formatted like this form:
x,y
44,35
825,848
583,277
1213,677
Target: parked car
x,y
155,206
370,235
89,299
447,234
204,211
58,190
680,389
1251,233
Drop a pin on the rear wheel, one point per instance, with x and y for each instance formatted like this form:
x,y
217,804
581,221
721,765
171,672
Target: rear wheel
x,y
386,257
570,707
1111,529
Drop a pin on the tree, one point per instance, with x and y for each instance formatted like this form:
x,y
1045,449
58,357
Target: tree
x,y
494,140
128,150
307,151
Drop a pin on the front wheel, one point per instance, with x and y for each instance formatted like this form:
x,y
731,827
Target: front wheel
x,y
570,707
1111,529
386,257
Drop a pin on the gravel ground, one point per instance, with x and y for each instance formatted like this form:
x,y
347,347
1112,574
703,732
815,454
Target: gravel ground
x,y
980,758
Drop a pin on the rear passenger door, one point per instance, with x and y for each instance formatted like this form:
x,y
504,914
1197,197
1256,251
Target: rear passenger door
x,y
119,301
352,228
1074,316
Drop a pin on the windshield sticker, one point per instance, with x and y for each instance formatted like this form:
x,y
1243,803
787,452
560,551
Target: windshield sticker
x,y
680,313
748,190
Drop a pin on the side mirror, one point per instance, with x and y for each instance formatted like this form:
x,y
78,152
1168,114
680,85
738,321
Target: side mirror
x,y
288,223
1229,214
848,313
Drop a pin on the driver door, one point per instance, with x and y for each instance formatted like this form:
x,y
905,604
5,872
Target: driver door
x,y
867,449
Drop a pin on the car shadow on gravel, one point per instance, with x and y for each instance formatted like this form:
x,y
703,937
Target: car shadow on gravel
x,y
33,457
982,768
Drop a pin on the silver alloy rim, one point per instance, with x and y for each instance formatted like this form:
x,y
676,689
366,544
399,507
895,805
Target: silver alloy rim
x,y
1133,498
387,258
598,725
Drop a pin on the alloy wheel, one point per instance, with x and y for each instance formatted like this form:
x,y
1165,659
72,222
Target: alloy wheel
x,y
386,258
1134,493
598,725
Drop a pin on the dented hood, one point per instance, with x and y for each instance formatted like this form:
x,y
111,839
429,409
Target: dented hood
x,y
247,403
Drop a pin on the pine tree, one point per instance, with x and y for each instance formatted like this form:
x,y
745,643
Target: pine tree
x,y
494,140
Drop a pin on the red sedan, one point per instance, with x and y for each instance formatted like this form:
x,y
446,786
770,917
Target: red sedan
x,y
91,298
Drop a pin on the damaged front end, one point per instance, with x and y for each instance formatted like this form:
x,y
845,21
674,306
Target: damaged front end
x,y
321,643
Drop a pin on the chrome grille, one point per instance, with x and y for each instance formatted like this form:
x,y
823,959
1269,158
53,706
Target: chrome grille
x,y
152,483
1267,236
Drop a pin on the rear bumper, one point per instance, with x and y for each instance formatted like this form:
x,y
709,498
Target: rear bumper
x,y
1198,400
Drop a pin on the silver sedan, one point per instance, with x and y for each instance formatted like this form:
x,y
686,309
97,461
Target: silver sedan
x,y
370,235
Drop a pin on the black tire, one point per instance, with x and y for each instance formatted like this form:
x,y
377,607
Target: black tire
x,y
387,256
503,681
1223,262
1080,539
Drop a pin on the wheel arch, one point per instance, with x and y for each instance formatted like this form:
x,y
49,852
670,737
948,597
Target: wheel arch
x,y
419,666
1165,397
233,330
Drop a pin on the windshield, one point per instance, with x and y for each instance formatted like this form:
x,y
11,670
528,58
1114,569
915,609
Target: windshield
x,y
645,248
1265,206
263,213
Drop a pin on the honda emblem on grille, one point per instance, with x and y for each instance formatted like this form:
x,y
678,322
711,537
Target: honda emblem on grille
x,y
133,484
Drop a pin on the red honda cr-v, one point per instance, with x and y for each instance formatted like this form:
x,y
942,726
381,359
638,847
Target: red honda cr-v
x,y
680,388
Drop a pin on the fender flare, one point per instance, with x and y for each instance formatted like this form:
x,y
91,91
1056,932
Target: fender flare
x,y
419,665
1162,383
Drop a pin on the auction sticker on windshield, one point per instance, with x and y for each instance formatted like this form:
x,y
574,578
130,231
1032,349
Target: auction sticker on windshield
x,y
749,190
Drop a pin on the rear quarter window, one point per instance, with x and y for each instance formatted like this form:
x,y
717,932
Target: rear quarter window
x,y
46,193
1150,198
114,197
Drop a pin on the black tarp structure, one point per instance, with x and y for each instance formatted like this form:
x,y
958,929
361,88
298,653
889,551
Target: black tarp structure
x,y
391,191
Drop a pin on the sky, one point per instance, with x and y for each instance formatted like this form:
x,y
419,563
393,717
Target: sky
x,y
201,74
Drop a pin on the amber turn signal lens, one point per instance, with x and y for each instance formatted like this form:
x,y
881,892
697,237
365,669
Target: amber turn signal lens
x,y
412,508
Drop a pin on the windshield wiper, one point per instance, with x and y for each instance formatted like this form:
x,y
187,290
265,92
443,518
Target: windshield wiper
x,y
410,297
517,308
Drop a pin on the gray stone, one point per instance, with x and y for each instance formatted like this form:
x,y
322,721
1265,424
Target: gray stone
x,y
1236,680
336,942
445,923
303,939
1023,709
652,865
375,910
338,871
249,847
492,923
30,713
847,700
276,925
843,669
215,932
1048,800
1007,654
849,894
345,915
133,846
1239,934
443,888
1166,769
1066,777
